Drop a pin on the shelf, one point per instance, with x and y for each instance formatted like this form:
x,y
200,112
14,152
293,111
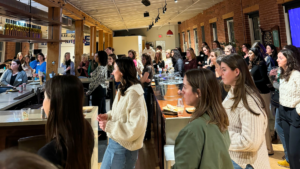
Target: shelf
x,y
15,12
7,38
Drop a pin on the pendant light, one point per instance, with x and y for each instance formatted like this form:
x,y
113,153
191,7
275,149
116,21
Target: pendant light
x,y
169,33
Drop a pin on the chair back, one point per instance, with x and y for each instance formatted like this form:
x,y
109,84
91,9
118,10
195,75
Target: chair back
x,y
32,144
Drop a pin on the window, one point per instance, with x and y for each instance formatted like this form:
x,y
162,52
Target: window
x,y
254,24
230,30
214,31
178,39
189,39
203,34
2,53
292,13
183,40
196,41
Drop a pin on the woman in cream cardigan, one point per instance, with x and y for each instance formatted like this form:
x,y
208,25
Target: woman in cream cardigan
x,y
247,116
126,123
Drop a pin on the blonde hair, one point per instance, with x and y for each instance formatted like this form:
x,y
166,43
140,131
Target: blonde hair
x,y
159,57
18,55
168,51
84,56
64,62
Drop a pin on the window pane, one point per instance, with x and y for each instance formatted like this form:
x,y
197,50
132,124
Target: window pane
x,y
1,46
203,34
231,31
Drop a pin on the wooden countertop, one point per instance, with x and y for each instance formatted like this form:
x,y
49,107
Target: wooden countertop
x,y
172,91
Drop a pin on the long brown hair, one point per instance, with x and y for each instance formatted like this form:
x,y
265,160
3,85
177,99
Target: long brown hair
x,y
244,83
66,124
210,100
292,55
159,58
127,68
133,54
192,53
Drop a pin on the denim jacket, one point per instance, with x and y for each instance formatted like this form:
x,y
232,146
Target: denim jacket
x,y
72,70
270,63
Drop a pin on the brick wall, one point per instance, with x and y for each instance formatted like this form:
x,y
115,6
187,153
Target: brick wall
x,y
25,48
10,50
270,13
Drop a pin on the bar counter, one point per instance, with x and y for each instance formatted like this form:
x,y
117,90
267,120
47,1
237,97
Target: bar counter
x,y
166,127
11,130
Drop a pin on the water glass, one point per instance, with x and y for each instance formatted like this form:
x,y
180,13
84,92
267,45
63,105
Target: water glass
x,y
180,107
18,116
25,113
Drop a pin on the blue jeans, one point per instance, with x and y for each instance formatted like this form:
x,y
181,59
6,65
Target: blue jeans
x,y
280,133
118,157
236,166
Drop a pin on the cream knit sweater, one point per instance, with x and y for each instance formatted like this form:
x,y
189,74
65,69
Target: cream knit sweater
x,y
247,133
289,91
127,121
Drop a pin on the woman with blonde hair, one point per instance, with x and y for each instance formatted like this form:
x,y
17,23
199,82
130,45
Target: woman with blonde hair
x,y
158,62
68,65
83,67
169,62
229,50
205,141
26,67
20,57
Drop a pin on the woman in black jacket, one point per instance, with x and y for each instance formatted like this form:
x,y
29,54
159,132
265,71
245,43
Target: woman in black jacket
x,y
158,62
258,70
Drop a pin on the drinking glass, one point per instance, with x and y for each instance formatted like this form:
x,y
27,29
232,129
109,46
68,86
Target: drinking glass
x,y
25,113
18,116
180,107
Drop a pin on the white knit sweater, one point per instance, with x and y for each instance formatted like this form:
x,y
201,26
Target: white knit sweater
x,y
247,133
289,91
127,121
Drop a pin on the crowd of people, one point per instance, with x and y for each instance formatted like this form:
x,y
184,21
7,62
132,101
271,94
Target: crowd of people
x,y
241,102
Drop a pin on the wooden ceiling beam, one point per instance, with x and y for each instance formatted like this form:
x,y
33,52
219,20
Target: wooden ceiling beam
x,y
72,12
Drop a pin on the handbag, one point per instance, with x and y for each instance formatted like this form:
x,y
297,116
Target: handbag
x,y
275,98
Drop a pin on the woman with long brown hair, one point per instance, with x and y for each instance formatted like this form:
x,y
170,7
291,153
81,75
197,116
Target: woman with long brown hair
x,y
205,141
125,124
70,136
190,62
289,99
247,115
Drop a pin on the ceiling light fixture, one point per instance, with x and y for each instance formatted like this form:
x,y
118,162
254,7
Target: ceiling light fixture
x,y
175,1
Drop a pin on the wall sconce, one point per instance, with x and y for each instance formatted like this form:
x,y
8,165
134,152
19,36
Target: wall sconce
x,y
53,63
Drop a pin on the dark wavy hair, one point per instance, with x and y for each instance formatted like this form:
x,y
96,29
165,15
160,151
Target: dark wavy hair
x,y
66,125
102,57
148,60
292,64
177,54
18,63
218,44
259,57
127,68
274,53
133,53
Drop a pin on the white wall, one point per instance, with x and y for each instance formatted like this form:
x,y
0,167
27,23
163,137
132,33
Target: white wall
x,y
123,44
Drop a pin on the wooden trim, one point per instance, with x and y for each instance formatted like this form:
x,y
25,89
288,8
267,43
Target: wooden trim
x,y
251,9
100,41
228,15
195,26
78,43
202,24
70,11
213,20
283,1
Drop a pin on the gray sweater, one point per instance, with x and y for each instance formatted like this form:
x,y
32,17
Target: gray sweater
x,y
20,79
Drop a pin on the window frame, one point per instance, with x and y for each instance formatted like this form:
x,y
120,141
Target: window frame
x,y
203,33
231,37
183,41
189,39
214,31
196,40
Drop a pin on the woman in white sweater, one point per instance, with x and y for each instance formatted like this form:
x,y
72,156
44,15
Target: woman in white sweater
x,y
126,123
247,116
289,99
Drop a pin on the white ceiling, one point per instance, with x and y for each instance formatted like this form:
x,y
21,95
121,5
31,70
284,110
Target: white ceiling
x,y
132,11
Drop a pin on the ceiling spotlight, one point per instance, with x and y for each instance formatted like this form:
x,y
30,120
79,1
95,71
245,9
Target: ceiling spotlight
x,y
175,1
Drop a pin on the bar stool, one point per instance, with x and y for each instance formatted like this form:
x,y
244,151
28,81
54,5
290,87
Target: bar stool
x,y
169,158
32,143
